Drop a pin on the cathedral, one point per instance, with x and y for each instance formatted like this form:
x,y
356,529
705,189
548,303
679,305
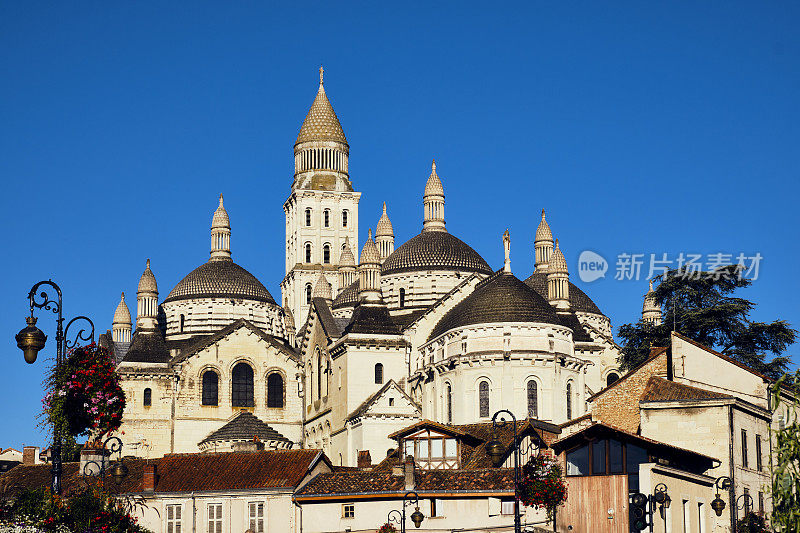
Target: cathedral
x,y
358,348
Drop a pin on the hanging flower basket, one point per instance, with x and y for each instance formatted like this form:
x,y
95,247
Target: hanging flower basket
x,y
84,394
542,484
387,528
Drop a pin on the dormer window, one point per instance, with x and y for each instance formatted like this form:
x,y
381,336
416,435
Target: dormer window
x,y
432,450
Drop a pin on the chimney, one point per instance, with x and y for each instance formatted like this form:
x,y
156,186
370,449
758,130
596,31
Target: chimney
x,y
408,471
30,455
149,478
364,460
92,456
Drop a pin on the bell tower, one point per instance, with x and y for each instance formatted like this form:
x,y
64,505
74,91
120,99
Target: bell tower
x,y
322,208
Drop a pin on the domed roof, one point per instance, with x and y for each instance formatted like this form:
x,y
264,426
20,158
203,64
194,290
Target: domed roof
x,y
435,250
578,300
122,315
147,283
500,298
321,123
220,279
348,297
370,253
220,218
384,227
543,232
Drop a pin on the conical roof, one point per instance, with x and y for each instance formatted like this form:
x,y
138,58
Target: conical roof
x,y
220,218
147,283
347,258
322,289
434,187
558,263
122,315
321,123
384,227
543,232
370,253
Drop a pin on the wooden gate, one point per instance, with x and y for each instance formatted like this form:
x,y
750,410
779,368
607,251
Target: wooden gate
x,y
595,504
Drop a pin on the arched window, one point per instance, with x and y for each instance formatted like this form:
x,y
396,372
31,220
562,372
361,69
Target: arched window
x,y
483,399
326,218
308,216
378,373
308,252
210,388
326,254
308,293
275,390
148,397
569,401
242,389
533,400
611,379
183,321
344,218
448,402
319,376
402,298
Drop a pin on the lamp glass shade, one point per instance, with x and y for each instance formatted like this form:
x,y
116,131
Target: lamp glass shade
x,y
718,505
417,517
667,501
119,472
30,340
496,451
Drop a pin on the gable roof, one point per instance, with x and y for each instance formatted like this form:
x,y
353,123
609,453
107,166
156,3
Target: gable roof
x,y
654,353
209,340
190,472
366,404
723,356
662,390
245,426
329,324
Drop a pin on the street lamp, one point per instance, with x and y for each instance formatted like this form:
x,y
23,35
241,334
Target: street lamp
x,y
718,504
497,453
661,497
31,340
746,503
400,516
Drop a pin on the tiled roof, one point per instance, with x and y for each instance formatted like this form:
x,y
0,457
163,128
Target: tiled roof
x,y
147,347
372,319
321,123
329,324
434,250
492,480
654,352
662,390
348,297
190,472
220,279
500,298
245,426
578,299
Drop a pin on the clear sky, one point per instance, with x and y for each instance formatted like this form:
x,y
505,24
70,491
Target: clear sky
x,y
642,128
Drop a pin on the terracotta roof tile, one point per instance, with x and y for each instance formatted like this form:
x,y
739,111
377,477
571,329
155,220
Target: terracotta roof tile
x,y
662,390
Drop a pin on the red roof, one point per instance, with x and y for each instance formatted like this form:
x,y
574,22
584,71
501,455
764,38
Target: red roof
x,y
662,390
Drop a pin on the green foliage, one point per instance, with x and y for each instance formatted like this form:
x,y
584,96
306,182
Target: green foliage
x,y
88,511
786,470
752,523
700,306
542,484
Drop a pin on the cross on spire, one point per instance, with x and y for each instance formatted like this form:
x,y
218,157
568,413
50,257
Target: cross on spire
x,y
321,73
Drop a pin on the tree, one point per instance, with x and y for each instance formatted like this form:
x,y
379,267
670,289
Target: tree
x,y
700,306
786,469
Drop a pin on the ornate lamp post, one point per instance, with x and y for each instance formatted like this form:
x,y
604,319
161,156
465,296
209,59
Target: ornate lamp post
x,y
497,453
118,470
31,340
744,501
397,516
662,498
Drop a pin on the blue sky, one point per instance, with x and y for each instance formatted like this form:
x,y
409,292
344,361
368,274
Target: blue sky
x,y
641,128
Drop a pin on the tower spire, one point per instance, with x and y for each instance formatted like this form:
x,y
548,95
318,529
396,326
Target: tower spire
x,y
433,202
147,301
220,234
543,244
321,74
384,235
507,251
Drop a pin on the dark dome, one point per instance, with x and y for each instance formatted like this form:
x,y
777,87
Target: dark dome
x,y
434,250
220,279
348,297
578,299
500,298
